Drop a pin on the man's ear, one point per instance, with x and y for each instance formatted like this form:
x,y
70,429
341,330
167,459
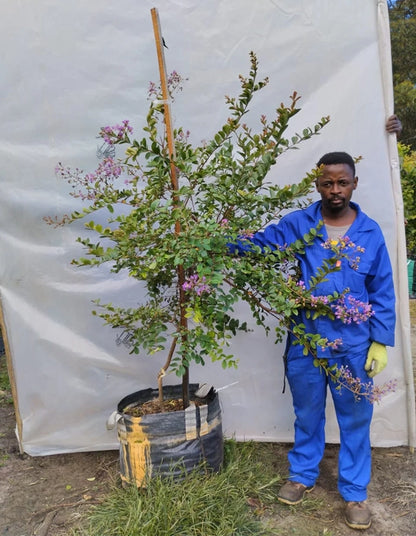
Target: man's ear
x,y
355,182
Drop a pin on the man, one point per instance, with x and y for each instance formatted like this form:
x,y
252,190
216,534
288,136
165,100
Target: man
x,y
363,348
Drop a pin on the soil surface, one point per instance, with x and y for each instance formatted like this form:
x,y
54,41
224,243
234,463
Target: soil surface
x,y
47,495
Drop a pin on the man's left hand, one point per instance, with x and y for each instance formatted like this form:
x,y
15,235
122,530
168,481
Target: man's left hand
x,y
376,359
394,125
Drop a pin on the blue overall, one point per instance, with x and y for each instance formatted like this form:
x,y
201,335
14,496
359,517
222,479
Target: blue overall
x,y
372,282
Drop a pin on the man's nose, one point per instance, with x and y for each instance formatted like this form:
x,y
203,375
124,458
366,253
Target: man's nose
x,y
335,189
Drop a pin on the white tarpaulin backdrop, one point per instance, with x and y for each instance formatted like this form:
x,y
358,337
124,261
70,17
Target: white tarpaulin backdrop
x,y
69,68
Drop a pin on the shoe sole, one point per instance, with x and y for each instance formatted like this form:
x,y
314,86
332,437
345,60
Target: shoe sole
x,y
291,503
357,526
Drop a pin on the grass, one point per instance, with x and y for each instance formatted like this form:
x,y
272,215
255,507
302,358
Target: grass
x,y
5,390
239,501
4,377
5,399
412,307
3,459
229,503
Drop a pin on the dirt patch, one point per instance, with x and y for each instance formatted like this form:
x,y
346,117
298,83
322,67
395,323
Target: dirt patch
x,y
46,495
392,498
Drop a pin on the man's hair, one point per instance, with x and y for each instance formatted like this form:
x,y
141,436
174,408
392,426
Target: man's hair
x,y
337,157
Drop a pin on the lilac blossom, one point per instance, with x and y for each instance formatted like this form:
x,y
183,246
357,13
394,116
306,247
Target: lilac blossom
x,y
378,391
319,300
106,171
360,389
312,301
182,136
335,344
78,181
152,90
246,233
196,284
85,184
117,133
174,82
353,311
344,247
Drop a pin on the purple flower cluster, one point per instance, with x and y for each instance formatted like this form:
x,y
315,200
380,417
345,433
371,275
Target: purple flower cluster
x,y
353,384
84,184
344,247
175,83
312,301
348,309
67,173
196,284
319,300
360,389
246,233
335,344
182,136
152,90
117,133
77,179
378,391
106,171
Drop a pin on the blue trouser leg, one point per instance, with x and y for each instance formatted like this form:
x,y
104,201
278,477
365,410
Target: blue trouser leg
x,y
309,387
354,419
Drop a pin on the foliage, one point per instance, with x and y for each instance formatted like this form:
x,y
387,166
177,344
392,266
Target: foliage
x,y
408,182
403,42
202,504
170,220
5,389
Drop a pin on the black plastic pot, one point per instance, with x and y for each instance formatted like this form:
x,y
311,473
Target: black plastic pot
x,y
171,443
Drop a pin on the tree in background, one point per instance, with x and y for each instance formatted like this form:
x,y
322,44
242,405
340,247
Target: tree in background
x,y
403,47
403,44
408,180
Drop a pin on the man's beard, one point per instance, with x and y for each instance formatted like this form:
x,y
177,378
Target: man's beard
x,y
337,207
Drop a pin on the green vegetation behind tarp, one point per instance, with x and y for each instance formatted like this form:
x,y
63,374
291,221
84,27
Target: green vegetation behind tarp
x,y
403,47
410,274
408,183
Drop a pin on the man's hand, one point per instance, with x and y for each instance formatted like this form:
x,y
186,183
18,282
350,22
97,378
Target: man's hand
x,y
376,359
393,125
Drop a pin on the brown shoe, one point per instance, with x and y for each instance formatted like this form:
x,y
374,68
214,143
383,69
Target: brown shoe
x,y
293,492
357,515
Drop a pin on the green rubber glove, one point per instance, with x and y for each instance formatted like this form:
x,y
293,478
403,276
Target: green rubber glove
x,y
376,359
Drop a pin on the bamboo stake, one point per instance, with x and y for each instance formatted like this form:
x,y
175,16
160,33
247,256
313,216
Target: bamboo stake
x,y
165,94
173,174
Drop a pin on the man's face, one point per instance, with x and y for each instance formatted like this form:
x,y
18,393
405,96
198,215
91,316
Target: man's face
x,y
336,185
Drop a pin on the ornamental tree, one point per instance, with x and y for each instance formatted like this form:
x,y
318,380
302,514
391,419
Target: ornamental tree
x,y
176,239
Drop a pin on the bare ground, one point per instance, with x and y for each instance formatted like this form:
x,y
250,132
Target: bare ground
x,y
47,495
